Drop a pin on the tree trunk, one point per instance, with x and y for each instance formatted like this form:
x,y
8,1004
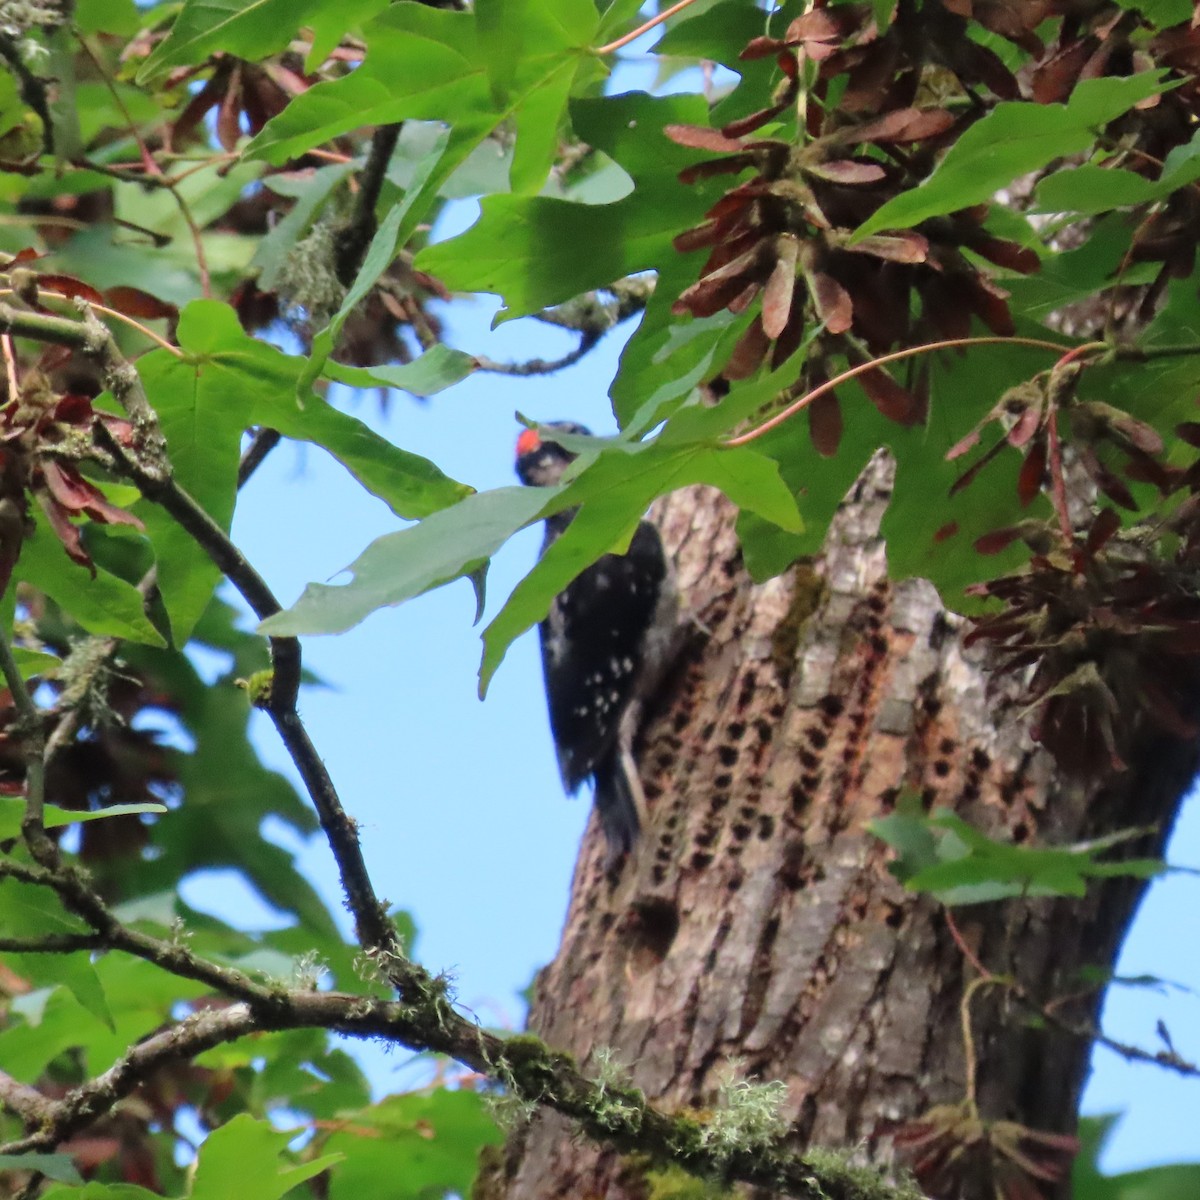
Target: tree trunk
x,y
757,922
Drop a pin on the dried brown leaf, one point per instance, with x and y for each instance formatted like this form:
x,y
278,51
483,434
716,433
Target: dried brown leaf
x,y
1103,527
134,302
68,285
901,125
832,302
777,298
846,170
997,540
825,423
1006,254
744,298
1033,472
701,137
906,247
893,401
754,120
749,352
761,47
717,166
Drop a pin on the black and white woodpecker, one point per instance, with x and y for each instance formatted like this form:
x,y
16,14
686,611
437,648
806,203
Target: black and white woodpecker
x,y
605,643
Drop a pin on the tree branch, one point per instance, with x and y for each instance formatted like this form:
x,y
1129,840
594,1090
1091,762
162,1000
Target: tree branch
x,y
80,897
540,366
352,241
33,90
24,1101
589,316
374,928
261,444
52,943
522,1064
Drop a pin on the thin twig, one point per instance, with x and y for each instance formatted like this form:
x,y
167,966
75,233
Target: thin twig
x,y
85,902
10,367
42,334
80,898
373,926
1133,353
1160,1058
634,34
540,366
148,161
961,943
896,356
212,160
968,1037
197,241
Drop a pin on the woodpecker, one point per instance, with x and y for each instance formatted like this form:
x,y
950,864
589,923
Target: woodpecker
x,y
605,643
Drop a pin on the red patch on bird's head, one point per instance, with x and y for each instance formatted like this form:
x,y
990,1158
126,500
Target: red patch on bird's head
x,y
527,442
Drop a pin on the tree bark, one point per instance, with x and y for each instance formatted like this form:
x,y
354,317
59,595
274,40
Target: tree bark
x,y
757,923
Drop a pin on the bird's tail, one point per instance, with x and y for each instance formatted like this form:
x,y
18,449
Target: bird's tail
x,y
618,805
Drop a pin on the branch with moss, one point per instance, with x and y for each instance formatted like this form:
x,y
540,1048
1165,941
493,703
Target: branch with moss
x,y
23,1101
92,339
592,313
79,897
540,366
749,1149
588,315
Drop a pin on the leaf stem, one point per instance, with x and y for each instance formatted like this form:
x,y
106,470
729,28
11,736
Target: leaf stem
x,y
634,34
970,1057
961,943
895,356
148,160
189,220
116,314
1148,353
1058,483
